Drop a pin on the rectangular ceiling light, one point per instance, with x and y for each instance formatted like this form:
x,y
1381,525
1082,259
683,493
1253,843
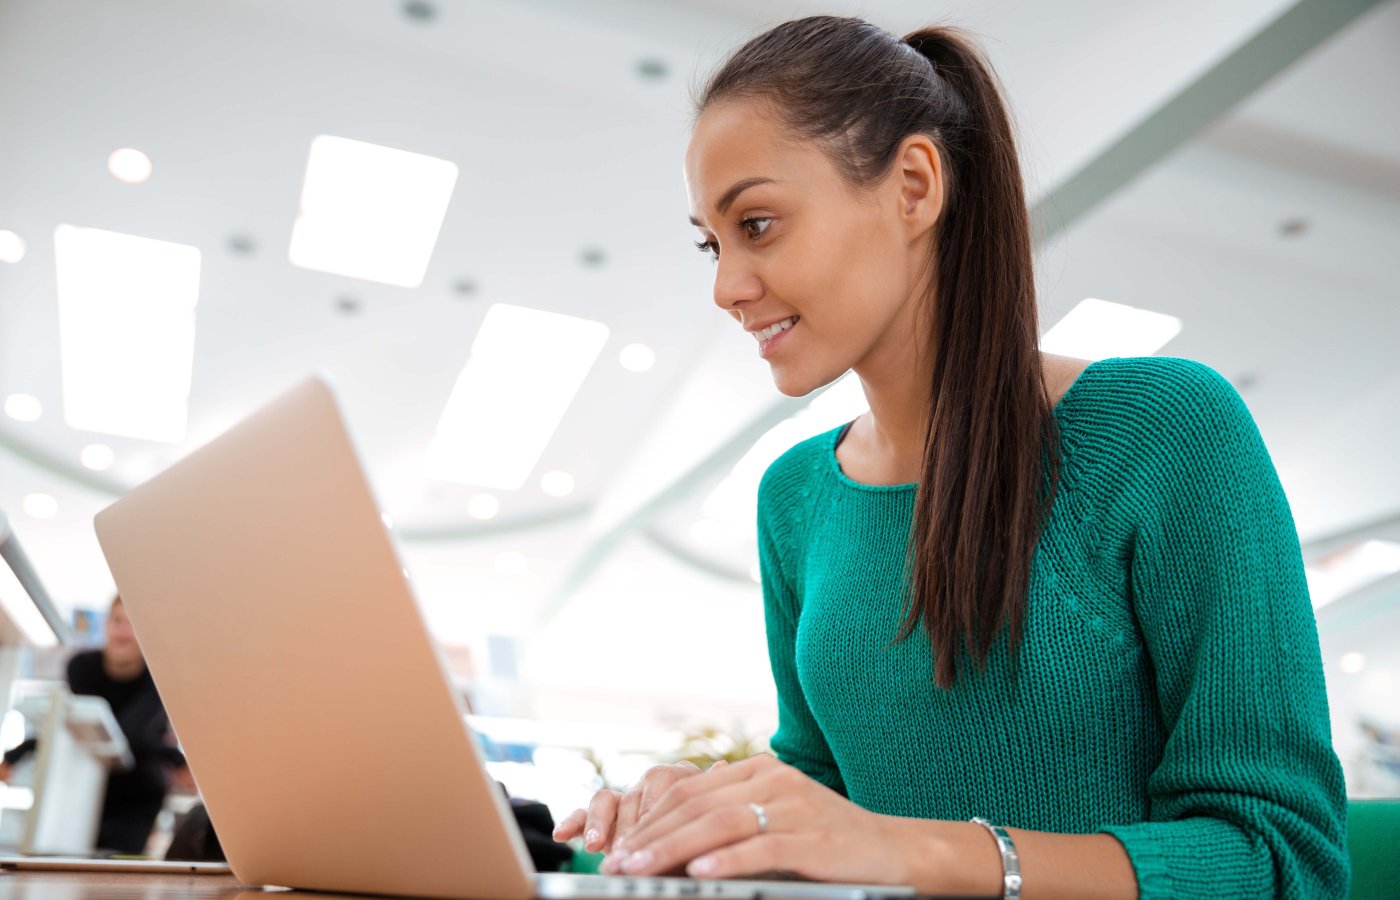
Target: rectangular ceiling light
x,y
1097,329
370,212
126,332
525,367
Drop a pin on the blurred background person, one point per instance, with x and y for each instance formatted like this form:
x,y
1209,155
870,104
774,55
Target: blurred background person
x,y
117,673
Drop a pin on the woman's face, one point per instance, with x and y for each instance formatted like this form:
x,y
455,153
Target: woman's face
x,y
794,239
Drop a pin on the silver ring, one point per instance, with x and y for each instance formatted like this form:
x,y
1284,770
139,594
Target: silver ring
x,y
762,817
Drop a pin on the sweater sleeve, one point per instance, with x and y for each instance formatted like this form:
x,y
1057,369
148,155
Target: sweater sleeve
x,y
799,741
1247,799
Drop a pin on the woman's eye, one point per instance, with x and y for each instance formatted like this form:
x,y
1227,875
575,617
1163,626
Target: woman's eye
x,y
756,226
753,228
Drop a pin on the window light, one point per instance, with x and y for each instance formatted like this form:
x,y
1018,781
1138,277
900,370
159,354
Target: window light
x,y
525,368
370,212
1098,329
126,330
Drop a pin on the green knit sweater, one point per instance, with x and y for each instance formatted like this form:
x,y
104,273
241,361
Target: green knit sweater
x,y
1171,689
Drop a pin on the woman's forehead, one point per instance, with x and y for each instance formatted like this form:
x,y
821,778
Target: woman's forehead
x,y
740,140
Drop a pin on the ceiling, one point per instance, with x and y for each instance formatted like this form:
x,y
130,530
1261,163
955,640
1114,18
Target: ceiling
x,y
566,154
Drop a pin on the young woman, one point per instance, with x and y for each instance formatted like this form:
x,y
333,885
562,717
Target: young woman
x,y
1065,599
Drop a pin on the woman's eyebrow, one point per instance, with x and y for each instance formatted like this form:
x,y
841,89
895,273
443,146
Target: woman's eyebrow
x,y
733,194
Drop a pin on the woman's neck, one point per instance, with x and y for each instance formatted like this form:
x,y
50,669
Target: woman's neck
x,y
896,382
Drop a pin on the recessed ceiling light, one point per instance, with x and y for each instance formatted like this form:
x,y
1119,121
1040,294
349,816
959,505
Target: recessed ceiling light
x,y
652,69
370,212
557,484
511,562
418,11
1245,381
41,506
637,357
129,165
98,457
126,330
23,407
1098,329
242,245
1352,663
483,506
12,246
525,368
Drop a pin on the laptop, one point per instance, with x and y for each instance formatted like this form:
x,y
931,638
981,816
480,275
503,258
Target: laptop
x,y
315,710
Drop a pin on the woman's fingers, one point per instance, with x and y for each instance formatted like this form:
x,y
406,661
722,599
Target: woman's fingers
x,y
719,827
718,777
732,800
626,815
571,825
658,781
610,815
598,827
653,785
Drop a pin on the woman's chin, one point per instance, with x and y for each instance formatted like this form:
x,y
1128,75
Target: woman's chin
x,y
794,382
791,384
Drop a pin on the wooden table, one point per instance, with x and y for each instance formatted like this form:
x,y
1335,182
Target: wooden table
x,y
139,886
142,886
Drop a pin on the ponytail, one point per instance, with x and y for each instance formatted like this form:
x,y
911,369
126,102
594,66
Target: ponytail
x,y
980,507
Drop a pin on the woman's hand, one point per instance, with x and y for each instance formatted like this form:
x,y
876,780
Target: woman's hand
x,y
611,813
709,827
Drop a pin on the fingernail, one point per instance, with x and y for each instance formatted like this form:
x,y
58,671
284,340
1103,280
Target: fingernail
x,y
592,836
702,866
620,846
613,864
635,862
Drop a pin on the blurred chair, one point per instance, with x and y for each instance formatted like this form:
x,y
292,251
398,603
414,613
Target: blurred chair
x,y
79,743
1373,840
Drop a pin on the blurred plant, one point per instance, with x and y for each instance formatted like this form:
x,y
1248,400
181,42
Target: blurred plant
x,y
703,746
708,745
596,761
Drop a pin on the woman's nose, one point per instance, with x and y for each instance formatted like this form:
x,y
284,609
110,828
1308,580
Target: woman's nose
x,y
735,285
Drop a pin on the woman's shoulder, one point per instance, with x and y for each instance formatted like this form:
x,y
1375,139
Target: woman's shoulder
x,y
1135,424
1153,398
789,477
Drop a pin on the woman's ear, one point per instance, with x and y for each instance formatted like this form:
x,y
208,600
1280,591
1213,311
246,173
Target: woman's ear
x,y
918,170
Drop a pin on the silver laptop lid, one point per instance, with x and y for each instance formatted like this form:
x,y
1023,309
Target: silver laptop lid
x,y
316,712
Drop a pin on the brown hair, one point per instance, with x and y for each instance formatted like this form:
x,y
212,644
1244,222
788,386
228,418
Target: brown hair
x,y
991,461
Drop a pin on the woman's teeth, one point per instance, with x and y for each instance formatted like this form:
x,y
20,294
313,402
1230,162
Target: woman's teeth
x,y
771,330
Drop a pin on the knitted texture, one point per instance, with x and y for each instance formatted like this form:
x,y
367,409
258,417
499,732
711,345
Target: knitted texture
x,y
1170,691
